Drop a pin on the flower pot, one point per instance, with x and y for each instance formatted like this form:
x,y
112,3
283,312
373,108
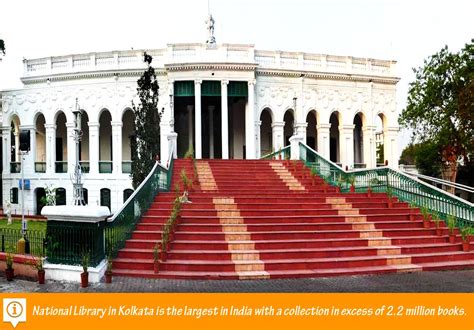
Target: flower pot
x,y
412,215
108,277
466,246
338,189
84,280
390,203
452,238
426,224
156,266
369,192
163,255
41,276
352,189
9,274
439,231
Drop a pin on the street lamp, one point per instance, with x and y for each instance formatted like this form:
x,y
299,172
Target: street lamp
x,y
76,176
24,150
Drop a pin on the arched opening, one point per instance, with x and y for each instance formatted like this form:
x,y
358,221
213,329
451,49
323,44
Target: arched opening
x,y
105,142
289,127
334,149
358,141
105,197
266,134
60,196
85,194
128,128
40,148
40,196
311,130
126,194
14,195
61,144
84,144
15,145
379,139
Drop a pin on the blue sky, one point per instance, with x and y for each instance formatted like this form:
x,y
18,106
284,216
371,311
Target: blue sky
x,y
405,30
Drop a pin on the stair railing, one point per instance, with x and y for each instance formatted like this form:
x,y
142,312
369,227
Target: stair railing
x,y
121,225
385,179
279,154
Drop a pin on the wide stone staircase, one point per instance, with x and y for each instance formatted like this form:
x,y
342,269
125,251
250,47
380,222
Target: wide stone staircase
x,y
270,219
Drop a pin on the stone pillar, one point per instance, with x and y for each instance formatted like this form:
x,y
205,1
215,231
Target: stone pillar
x,y
71,147
6,149
277,133
172,143
190,125
250,122
116,147
369,146
390,140
29,159
211,131
164,147
224,120
295,146
258,146
50,148
323,131
300,130
17,145
94,147
197,119
346,145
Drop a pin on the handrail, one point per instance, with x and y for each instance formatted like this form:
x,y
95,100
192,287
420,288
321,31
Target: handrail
x,y
384,179
441,181
285,152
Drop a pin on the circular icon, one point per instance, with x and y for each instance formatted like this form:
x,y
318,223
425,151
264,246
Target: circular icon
x,y
14,309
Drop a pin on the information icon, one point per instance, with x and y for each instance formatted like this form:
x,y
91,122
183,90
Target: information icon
x,y
14,310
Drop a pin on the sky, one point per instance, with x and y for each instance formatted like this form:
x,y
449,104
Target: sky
x,y
405,30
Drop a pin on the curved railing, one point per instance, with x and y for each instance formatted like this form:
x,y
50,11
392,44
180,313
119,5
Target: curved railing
x,y
280,154
120,227
383,179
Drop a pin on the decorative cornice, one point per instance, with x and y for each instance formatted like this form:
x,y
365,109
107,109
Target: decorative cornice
x,y
327,76
211,66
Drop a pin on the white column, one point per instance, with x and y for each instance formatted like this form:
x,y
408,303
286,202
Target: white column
x,y
117,147
346,144
323,131
224,120
300,130
29,159
250,122
211,131
17,145
164,145
6,149
197,119
258,146
190,125
390,137
50,148
277,134
71,148
94,147
369,146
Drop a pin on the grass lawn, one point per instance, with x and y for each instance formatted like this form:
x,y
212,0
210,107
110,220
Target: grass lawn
x,y
33,225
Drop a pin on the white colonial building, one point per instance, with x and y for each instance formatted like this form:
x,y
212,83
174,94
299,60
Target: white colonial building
x,y
227,100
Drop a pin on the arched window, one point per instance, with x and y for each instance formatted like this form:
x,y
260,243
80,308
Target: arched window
x,y
60,196
126,194
85,194
14,195
105,197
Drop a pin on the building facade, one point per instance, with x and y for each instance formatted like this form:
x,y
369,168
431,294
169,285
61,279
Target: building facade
x,y
226,100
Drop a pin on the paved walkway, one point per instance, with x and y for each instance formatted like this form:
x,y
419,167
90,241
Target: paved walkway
x,y
445,281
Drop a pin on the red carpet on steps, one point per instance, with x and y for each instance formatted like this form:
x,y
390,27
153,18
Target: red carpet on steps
x,y
269,219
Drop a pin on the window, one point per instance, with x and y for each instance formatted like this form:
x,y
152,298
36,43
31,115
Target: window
x,y
14,196
85,194
60,196
105,197
126,194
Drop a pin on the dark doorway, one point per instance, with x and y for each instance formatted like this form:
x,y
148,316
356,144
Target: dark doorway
x,y
40,200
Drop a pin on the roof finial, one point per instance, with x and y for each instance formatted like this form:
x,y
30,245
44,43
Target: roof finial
x,y
211,40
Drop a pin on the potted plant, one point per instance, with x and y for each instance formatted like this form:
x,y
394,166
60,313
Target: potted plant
x,y
466,233
85,265
426,217
390,197
38,264
9,272
339,183
164,241
108,271
313,176
325,186
451,228
437,222
373,181
156,257
351,182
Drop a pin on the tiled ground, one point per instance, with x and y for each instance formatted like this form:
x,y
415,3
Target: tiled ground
x,y
445,281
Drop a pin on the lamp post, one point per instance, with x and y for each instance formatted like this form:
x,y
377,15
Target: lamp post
x,y
24,150
76,176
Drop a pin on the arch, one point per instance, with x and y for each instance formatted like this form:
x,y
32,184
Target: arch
x,y
358,140
14,139
125,109
84,144
105,197
311,129
40,196
105,142
106,109
61,151
126,194
60,196
334,141
380,145
289,127
85,194
268,109
266,132
14,195
128,130
40,143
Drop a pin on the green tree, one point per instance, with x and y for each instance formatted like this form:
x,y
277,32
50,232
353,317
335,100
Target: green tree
x,y
440,107
380,154
146,141
2,46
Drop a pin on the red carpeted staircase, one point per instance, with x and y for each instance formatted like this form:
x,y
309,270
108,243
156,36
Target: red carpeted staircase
x,y
270,219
